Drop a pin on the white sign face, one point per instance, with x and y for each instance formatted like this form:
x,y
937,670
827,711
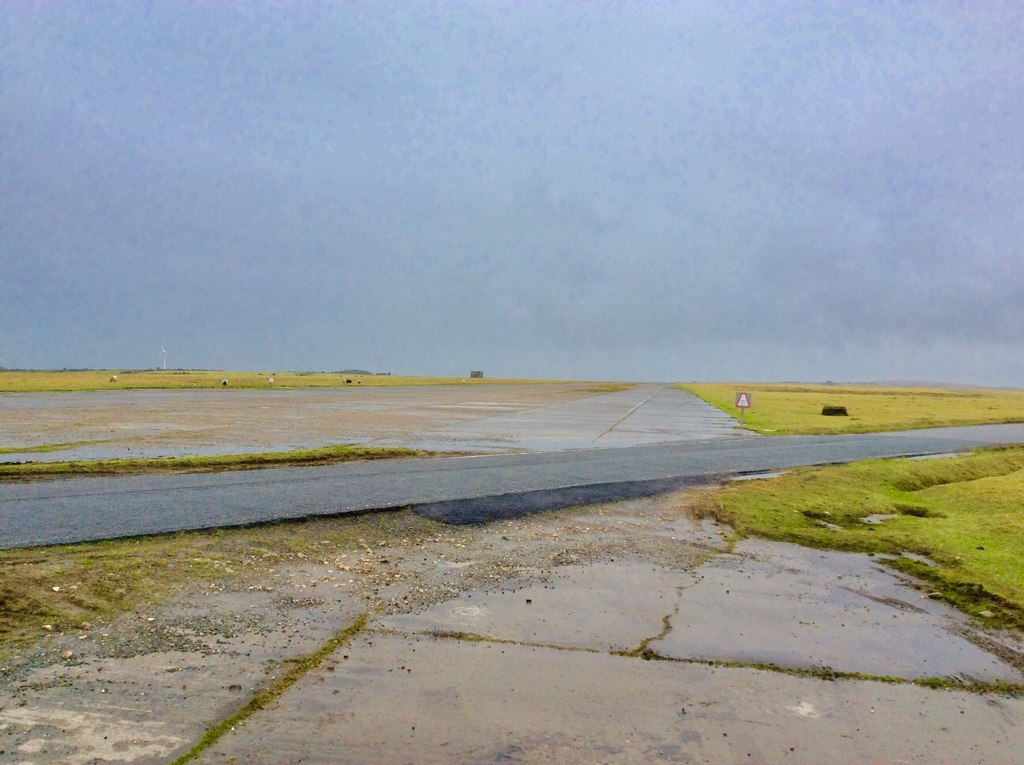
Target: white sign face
x,y
742,400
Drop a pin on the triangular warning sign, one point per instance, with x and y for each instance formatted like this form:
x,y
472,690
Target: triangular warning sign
x,y
742,401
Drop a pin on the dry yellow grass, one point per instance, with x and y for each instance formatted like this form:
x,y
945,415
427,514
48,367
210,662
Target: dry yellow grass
x,y
796,409
19,382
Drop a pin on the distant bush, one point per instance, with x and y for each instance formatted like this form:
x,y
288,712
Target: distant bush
x,y
834,411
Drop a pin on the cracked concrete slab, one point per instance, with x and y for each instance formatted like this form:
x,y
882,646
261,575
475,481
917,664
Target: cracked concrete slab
x,y
457,667
405,699
146,686
606,606
775,603
538,670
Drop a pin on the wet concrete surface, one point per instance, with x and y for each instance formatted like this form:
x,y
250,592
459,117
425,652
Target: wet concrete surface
x,y
493,418
797,607
547,670
596,634
646,414
150,683
606,606
399,699
522,638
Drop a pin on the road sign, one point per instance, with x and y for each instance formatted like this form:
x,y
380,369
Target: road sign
x,y
742,403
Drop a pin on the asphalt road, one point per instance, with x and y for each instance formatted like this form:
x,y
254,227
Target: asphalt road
x,y
454,489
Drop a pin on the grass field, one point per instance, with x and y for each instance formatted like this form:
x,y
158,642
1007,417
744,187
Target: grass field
x,y
963,513
796,409
26,381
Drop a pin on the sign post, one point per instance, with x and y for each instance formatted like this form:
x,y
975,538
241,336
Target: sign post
x,y
742,403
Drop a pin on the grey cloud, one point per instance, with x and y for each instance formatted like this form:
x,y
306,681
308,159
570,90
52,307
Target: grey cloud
x,y
642,190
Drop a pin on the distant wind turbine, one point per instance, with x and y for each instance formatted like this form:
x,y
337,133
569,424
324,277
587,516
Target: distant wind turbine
x,y
164,352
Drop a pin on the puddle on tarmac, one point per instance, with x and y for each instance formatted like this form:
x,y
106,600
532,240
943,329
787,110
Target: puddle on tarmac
x,y
756,476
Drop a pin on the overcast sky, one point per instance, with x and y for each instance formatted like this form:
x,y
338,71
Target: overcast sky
x,y
654,191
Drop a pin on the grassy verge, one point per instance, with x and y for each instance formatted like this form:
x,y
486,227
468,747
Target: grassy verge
x,y
796,409
99,379
324,455
962,513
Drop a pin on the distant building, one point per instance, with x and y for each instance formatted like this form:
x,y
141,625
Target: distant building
x,y
476,373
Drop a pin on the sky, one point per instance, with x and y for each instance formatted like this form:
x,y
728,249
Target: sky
x,y
640,191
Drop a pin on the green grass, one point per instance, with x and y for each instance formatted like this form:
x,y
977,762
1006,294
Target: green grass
x,y
99,379
324,455
964,513
796,409
46,448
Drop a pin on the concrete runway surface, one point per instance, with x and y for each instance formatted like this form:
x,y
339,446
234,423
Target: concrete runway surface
x,y
641,441
491,418
603,633
621,633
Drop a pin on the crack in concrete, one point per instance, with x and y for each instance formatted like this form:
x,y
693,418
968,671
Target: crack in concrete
x,y
628,414
473,637
827,673
644,652
301,666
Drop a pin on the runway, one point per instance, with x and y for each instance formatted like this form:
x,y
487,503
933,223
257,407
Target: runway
x,y
674,439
